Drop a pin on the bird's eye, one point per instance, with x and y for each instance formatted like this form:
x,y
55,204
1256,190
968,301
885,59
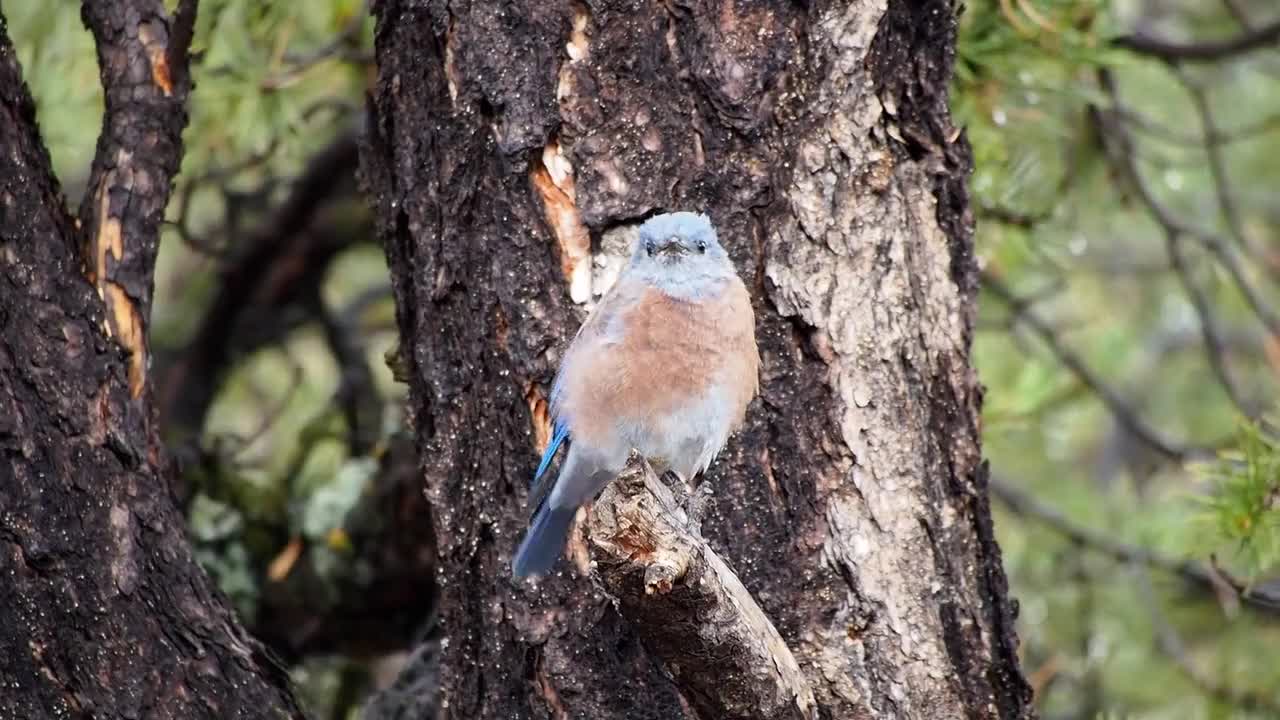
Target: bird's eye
x,y
648,247
702,247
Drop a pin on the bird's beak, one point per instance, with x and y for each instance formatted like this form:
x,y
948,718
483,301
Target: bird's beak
x,y
671,247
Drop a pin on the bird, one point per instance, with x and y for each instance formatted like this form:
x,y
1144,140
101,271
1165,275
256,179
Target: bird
x,y
666,364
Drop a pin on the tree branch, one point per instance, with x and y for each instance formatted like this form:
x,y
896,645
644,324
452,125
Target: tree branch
x,y
1119,408
1205,576
280,266
1238,13
1209,50
1217,164
688,607
142,56
1118,146
356,394
1214,349
1171,644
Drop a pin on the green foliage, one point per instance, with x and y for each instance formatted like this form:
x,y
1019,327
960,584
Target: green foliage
x,y
1243,510
1019,91
260,82
60,67
217,533
336,495
1058,225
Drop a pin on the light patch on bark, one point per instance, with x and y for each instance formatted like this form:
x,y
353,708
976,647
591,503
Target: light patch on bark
x,y
615,251
155,39
540,412
575,550
614,178
862,259
450,63
130,333
109,238
123,321
578,47
552,179
124,566
547,690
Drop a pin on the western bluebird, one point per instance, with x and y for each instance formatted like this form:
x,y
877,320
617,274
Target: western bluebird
x,y
665,364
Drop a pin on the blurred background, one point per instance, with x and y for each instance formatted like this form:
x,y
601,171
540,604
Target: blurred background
x,y
1127,160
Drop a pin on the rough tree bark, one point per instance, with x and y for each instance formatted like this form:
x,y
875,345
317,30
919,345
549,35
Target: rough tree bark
x,y
513,148
105,612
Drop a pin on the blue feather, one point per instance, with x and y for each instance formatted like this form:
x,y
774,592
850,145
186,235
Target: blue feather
x,y
561,432
544,542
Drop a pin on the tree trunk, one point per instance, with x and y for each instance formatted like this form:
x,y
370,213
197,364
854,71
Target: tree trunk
x,y
512,151
104,611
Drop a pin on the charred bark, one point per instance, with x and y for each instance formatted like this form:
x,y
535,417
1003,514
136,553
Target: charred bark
x,y
105,612
513,148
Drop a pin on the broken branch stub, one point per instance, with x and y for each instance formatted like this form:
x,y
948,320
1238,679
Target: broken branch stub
x,y
687,606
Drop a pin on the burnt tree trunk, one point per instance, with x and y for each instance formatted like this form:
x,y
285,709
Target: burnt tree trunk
x,y
513,148
103,609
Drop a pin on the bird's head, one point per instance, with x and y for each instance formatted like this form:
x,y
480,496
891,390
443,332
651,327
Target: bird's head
x,y
680,250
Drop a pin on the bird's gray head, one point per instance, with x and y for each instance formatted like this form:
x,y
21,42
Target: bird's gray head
x,y
680,254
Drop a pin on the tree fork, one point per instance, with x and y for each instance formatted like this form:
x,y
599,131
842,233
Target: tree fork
x,y
105,610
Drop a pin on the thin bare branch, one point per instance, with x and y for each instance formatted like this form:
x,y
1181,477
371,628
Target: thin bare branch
x,y
1217,164
1157,129
1214,349
1119,146
1117,405
274,268
1238,13
1119,151
356,393
1210,50
1264,599
1170,642
220,178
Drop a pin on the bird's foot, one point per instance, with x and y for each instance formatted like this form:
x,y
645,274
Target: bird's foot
x,y
692,501
696,505
674,483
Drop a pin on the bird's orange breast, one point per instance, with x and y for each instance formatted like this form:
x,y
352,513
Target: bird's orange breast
x,y
668,353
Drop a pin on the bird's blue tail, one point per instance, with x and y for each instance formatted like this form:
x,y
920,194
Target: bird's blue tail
x,y
544,541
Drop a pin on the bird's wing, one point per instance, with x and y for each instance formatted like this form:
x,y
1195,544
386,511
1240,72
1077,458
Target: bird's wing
x,y
542,482
561,432
601,330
